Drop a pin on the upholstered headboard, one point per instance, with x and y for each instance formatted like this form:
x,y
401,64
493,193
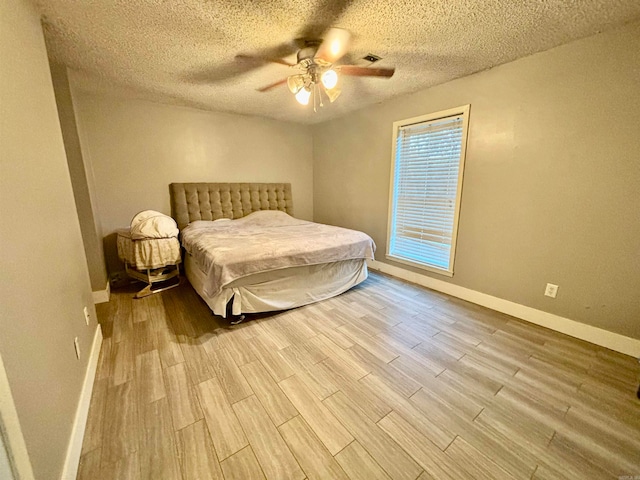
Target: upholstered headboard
x,y
210,201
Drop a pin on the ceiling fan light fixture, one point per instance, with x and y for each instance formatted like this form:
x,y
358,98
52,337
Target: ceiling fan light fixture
x,y
336,47
318,71
303,96
329,79
333,94
295,83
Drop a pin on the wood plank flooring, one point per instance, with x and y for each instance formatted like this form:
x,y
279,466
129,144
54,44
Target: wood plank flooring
x,y
386,381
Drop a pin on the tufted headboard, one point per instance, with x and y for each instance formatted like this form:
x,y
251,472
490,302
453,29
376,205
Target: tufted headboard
x,y
210,201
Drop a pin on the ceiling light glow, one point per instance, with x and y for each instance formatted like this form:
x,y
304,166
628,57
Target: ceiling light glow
x,y
329,79
303,96
335,47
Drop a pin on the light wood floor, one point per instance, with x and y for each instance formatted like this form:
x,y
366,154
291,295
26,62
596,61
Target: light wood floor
x,y
388,380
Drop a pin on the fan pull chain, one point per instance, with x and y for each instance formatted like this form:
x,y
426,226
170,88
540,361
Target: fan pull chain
x,y
317,97
315,107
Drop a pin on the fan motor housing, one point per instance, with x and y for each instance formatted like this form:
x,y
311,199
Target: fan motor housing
x,y
307,53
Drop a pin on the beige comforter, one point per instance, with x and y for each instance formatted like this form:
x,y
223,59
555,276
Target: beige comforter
x,y
267,240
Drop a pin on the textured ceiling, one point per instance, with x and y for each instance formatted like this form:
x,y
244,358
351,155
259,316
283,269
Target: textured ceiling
x,y
182,51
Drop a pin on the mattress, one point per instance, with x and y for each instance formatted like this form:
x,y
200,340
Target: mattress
x,y
279,289
265,241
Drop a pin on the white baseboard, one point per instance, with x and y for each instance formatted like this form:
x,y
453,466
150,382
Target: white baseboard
x,y
598,336
11,433
102,296
74,449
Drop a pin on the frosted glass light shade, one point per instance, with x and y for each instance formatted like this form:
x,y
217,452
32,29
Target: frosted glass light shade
x,y
329,79
336,47
303,96
295,83
333,93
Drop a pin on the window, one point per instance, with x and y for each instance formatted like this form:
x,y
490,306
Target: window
x,y
426,184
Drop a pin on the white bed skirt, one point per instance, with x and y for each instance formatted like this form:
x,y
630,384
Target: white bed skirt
x,y
280,289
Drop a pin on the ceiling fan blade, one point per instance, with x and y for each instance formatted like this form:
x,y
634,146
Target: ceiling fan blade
x,y
334,45
356,71
250,58
327,13
234,68
273,85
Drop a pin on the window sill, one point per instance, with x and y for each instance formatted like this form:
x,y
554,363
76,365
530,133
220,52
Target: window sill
x,y
440,271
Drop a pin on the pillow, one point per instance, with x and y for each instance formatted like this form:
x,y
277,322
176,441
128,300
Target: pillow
x,y
200,223
207,223
270,218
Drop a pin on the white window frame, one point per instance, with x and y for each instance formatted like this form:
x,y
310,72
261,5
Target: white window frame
x,y
464,111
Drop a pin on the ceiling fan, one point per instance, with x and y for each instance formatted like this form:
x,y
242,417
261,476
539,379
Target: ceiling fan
x,y
318,72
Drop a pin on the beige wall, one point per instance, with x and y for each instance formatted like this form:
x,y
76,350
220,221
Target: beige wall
x,y
138,148
45,281
5,469
552,183
81,174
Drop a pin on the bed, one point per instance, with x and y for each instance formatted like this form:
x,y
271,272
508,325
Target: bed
x,y
244,252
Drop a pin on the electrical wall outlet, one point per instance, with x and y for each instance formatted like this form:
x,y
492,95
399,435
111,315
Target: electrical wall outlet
x,y
76,343
551,290
87,317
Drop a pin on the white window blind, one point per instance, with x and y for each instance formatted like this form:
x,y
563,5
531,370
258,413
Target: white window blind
x,y
429,157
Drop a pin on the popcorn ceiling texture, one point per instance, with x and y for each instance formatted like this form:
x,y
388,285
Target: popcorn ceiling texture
x,y
182,52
